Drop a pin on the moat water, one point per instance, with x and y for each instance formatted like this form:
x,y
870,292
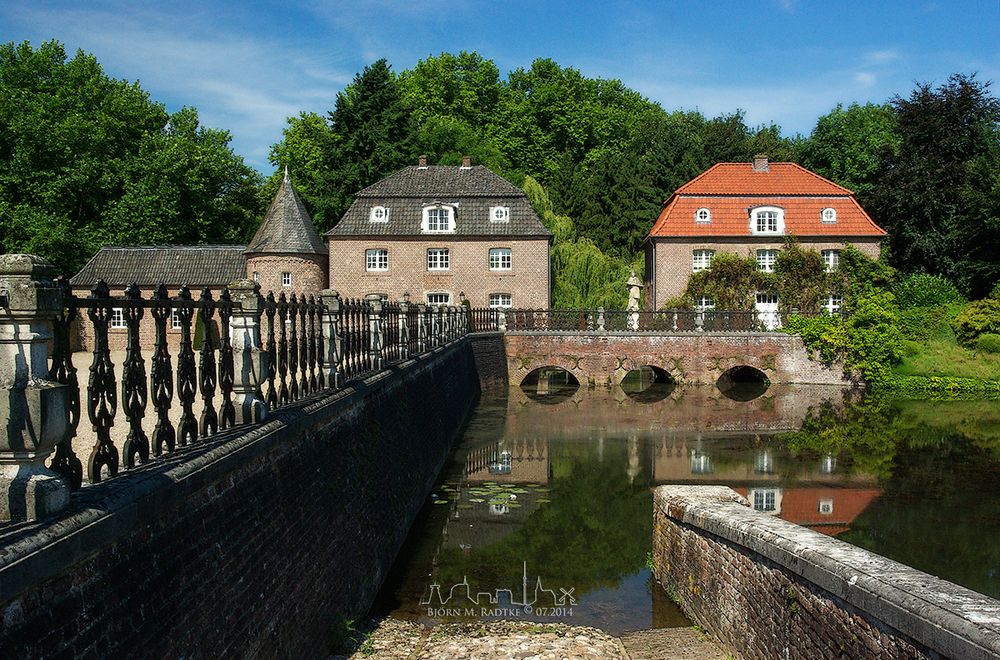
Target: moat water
x,y
544,511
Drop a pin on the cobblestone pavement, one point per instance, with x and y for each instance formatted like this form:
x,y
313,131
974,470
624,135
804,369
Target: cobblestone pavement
x,y
508,640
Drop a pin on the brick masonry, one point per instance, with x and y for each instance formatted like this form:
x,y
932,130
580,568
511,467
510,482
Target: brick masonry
x,y
308,272
689,358
490,359
254,544
767,588
527,281
672,258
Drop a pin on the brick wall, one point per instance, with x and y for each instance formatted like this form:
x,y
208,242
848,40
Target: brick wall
x,y
252,545
527,281
767,588
673,259
700,357
308,272
491,359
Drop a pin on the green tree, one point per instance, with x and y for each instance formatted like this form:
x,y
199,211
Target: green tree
x,y
938,195
86,160
307,140
466,87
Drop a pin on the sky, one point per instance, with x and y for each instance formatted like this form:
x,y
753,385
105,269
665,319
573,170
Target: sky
x,y
247,66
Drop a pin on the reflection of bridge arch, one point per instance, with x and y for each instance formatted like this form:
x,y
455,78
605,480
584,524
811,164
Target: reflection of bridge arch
x,y
648,384
550,384
743,383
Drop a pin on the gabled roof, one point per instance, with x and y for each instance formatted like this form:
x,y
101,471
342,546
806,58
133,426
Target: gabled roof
x,y
472,191
730,191
173,265
779,179
286,227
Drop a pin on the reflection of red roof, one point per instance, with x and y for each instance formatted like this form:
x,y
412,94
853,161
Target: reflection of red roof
x,y
731,190
801,506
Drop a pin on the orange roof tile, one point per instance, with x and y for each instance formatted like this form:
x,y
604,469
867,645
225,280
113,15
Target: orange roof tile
x,y
731,190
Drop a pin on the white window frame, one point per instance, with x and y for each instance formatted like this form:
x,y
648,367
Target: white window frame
x,y
833,303
378,214
499,214
772,216
704,304
831,260
828,215
256,277
435,211
825,507
766,259
175,319
438,259
376,260
286,278
501,258
701,260
501,301
701,462
117,319
446,294
703,216
767,500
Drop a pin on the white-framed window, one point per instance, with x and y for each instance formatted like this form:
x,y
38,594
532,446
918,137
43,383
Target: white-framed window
x,y
701,463
704,304
766,260
828,215
438,219
701,260
764,463
438,298
828,464
832,304
117,317
703,216
175,320
286,279
500,259
378,214
499,214
831,259
377,260
765,499
501,301
767,220
438,259
256,277
826,507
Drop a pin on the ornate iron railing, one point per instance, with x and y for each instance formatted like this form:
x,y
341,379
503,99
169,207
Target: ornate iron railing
x,y
241,354
664,321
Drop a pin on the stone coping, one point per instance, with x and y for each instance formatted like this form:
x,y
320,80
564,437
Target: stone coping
x,y
647,333
98,514
945,617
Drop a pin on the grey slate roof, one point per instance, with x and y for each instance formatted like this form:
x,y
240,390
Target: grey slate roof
x,y
472,190
173,265
286,227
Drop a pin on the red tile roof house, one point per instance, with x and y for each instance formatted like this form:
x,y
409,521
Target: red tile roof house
x,y
751,208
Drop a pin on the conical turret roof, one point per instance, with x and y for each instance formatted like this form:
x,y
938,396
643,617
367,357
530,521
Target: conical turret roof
x,y
287,227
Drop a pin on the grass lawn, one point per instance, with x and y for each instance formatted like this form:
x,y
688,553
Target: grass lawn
x,y
942,356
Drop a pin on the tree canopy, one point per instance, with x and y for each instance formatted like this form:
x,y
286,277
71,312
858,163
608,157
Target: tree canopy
x,y
86,160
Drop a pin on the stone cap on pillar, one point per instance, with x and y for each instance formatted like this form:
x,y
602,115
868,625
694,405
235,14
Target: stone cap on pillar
x,y
26,285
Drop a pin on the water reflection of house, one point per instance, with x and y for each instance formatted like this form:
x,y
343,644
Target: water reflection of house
x,y
827,510
509,462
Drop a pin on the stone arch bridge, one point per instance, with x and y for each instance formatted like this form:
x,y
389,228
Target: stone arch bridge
x,y
691,357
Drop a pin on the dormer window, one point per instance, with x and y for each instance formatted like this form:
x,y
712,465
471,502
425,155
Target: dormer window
x,y
379,214
767,220
828,215
438,219
499,214
703,216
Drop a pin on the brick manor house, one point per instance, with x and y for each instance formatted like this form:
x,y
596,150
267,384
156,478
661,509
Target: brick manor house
x,y
434,232
751,208
439,231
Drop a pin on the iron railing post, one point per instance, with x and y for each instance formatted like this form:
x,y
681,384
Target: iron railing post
x,y
376,329
421,327
404,327
333,348
250,360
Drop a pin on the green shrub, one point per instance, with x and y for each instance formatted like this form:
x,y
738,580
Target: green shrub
x,y
995,293
732,282
922,290
802,278
988,343
909,348
977,318
941,387
924,323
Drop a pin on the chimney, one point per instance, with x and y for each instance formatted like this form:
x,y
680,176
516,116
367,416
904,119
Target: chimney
x,y
422,160
760,163
466,162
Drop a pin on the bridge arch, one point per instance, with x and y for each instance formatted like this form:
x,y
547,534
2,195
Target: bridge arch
x,y
550,384
648,384
743,383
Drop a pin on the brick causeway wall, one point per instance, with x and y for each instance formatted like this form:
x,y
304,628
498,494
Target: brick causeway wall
x,y
252,545
767,588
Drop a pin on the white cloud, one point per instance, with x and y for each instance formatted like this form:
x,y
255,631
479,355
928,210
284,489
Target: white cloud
x,y
865,78
882,56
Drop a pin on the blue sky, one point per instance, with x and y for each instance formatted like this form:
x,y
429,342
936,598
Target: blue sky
x,y
248,65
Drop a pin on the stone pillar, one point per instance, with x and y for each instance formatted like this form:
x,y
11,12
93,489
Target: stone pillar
x,y
332,350
250,360
404,326
502,320
421,327
600,319
375,323
34,411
